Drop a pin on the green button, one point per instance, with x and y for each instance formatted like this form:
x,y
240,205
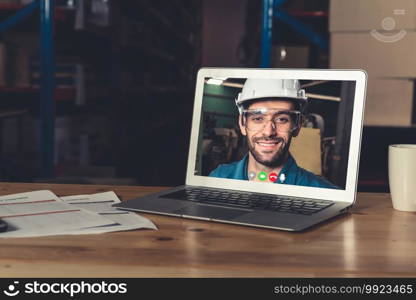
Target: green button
x,y
262,176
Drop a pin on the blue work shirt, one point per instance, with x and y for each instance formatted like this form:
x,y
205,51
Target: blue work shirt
x,y
293,173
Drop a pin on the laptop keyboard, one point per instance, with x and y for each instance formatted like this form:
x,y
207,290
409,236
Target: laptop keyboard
x,y
250,200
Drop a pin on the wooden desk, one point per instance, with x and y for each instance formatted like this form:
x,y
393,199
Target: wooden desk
x,y
373,241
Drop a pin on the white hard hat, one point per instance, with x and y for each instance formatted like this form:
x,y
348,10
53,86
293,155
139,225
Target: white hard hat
x,y
258,88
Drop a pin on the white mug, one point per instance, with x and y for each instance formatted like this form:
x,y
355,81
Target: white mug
x,y
402,176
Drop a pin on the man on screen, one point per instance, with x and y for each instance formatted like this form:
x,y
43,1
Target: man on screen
x,y
271,113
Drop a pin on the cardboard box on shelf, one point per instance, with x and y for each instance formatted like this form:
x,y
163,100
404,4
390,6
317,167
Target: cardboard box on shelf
x,y
306,147
290,56
21,48
21,67
390,102
366,15
383,59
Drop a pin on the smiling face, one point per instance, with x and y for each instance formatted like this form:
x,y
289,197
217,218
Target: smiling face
x,y
269,146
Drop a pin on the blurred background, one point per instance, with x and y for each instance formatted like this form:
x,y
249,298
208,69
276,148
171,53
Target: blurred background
x,y
101,91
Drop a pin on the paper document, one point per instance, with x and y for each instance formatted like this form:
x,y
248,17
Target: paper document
x,y
101,204
42,213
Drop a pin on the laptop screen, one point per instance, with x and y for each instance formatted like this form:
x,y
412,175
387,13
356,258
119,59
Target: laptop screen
x,y
277,131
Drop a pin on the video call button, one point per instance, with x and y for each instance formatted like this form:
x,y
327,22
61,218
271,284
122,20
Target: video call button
x,y
273,177
262,176
251,175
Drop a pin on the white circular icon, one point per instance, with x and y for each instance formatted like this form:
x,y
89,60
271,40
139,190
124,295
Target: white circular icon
x,y
388,23
10,292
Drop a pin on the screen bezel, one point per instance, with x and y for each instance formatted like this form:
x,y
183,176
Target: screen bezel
x,y
346,195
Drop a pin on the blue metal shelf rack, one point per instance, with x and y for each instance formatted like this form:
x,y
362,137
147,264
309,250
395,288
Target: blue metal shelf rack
x,y
47,114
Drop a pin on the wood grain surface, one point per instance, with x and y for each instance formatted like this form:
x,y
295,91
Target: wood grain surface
x,y
372,241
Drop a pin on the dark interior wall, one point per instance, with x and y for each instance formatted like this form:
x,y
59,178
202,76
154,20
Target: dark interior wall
x,y
222,30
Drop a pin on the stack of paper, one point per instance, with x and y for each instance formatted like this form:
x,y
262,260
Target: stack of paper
x,y
101,204
42,213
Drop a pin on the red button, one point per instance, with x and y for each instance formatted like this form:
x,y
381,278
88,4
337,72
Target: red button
x,y
273,177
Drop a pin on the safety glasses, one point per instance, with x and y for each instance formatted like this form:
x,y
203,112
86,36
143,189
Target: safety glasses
x,y
283,121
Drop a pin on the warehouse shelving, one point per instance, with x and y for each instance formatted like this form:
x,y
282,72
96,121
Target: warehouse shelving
x,y
140,60
272,9
47,91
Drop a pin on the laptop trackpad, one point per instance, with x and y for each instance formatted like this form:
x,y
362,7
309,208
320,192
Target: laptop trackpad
x,y
211,212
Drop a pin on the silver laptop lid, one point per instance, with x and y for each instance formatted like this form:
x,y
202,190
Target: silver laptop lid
x,y
280,131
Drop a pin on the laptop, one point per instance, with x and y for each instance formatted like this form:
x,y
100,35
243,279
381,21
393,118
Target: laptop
x,y
269,148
